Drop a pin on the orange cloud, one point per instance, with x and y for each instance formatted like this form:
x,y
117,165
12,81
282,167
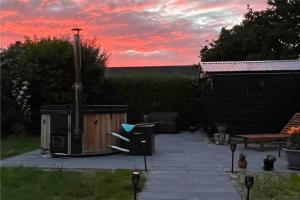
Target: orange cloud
x,y
135,32
7,13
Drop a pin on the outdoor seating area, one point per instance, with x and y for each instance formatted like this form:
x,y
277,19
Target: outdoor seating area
x,y
275,137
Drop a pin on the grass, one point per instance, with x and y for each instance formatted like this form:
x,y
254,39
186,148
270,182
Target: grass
x,y
270,186
34,184
13,145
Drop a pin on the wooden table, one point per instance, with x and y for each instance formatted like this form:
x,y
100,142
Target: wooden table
x,y
265,138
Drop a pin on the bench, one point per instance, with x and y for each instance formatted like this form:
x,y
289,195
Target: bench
x,y
272,137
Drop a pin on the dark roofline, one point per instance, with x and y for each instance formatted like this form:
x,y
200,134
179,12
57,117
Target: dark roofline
x,y
254,72
185,70
152,66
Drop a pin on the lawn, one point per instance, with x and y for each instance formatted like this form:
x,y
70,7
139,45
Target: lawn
x,y
13,145
35,184
270,186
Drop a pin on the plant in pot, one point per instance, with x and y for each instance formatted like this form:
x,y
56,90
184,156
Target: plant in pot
x,y
221,127
292,151
242,161
269,160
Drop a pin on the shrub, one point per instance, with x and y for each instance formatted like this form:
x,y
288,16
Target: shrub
x,y
11,118
41,71
242,157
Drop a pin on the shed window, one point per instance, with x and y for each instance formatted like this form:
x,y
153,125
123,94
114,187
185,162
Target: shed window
x,y
255,89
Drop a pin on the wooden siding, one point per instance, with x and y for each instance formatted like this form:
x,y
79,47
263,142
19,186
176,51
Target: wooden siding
x,y
95,127
227,101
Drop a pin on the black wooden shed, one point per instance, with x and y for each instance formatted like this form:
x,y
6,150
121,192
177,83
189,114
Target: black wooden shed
x,y
251,96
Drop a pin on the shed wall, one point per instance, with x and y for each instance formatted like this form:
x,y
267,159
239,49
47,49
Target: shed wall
x,y
250,103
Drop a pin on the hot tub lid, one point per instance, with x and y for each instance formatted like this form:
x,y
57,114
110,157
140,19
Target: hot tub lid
x,y
67,108
105,108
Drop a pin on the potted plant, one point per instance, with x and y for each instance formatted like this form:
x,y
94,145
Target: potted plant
x,y
221,127
292,151
242,161
269,160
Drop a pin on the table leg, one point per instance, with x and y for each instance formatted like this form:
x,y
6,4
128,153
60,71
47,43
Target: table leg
x,y
262,146
279,148
245,143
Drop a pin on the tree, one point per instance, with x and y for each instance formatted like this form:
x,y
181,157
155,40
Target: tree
x,y
41,71
270,34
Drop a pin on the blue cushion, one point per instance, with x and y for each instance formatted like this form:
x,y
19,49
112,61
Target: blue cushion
x,y
128,127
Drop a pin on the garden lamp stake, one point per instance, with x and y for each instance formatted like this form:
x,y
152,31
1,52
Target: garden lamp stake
x,y
144,149
249,181
232,148
135,181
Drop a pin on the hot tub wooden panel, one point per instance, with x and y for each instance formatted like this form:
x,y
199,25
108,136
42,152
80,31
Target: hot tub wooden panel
x,y
95,127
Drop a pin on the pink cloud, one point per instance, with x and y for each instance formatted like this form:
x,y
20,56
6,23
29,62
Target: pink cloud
x,y
135,32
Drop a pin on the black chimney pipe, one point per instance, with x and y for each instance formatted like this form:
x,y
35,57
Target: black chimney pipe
x,y
76,139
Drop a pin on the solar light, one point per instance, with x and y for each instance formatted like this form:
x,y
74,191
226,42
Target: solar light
x,y
144,149
249,181
232,148
135,181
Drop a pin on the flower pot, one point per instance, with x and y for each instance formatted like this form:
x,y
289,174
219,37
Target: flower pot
x,y
227,139
242,164
268,165
293,158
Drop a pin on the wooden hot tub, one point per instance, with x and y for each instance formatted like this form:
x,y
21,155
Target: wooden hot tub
x,y
56,129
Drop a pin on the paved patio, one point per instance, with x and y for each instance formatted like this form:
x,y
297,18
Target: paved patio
x,y
184,166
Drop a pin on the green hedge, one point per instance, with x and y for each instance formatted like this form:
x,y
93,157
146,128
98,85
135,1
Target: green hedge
x,y
142,94
146,93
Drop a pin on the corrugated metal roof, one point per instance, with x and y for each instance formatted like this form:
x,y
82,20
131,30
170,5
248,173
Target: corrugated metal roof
x,y
251,66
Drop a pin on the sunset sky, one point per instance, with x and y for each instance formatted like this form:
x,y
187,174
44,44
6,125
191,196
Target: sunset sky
x,y
134,32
